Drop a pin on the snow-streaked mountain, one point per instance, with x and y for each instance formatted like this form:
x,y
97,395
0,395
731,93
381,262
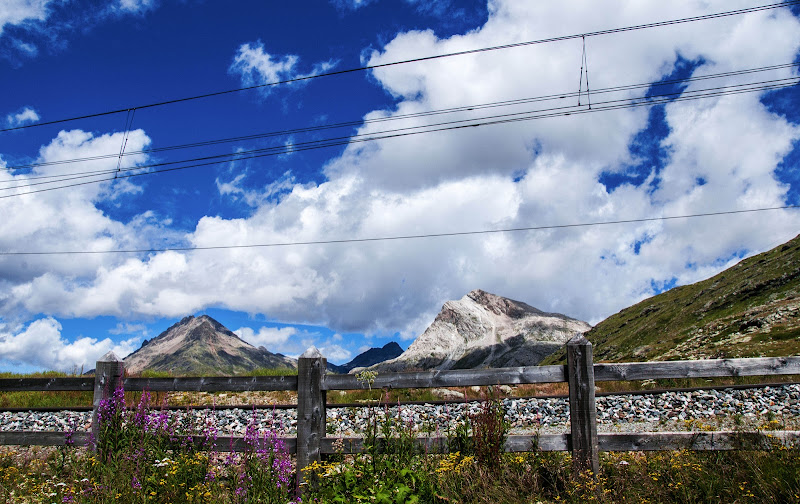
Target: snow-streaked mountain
x,y
201,346
485,330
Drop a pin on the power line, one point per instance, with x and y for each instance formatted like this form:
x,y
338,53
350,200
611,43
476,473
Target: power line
x,y
463,108
415,130
258,153
400,237
657,24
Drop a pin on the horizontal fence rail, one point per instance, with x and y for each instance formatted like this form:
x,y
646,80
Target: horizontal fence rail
x,y
211,384
47,384
713,368
451,378
312,384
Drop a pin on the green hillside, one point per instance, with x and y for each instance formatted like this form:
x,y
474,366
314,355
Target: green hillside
x,y
751,309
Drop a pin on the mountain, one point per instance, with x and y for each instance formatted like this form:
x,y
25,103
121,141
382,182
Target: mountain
x,y
751,309
202,346
486,330
369,358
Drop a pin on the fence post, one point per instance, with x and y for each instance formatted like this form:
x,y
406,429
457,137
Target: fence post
x,y
582,408
311,369
108,372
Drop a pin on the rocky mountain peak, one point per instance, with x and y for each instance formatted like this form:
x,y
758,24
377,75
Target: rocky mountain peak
x,y
486,330
502,306
201,345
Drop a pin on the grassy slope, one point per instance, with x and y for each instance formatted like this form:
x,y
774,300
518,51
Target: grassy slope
x,y
751,309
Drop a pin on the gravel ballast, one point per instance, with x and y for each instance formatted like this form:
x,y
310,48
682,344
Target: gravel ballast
x,y
663,411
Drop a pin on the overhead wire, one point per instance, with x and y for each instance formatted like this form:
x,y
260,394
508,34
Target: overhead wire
x,y
462,108
354,123
704,17
346,140
398,237
413,130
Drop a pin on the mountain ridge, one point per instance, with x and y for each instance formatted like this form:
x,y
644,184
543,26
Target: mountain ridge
x,y
202,345
486,330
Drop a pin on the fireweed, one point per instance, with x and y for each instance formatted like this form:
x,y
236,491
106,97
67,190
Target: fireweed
x,y
143,456
263,471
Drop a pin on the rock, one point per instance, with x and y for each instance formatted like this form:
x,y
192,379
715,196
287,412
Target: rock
x,y
447,394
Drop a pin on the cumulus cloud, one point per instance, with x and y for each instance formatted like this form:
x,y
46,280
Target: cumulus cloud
x,y
717,154
256,66
26,115
40,344
65,219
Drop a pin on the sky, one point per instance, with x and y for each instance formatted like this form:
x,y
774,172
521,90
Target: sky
x,y
268,208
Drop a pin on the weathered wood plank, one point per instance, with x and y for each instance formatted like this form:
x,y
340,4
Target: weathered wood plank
x,y
212,383
49,438
762,366
107,377
311,368
701,441
582,407
47,384
452,378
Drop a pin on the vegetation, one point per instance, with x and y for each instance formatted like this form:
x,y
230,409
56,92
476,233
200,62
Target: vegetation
x,y
141,457
749,310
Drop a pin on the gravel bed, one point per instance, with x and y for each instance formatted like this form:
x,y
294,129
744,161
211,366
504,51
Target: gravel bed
x,y
694,410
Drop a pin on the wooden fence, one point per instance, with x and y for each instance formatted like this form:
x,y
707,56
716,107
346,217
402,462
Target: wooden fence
x,y
312,384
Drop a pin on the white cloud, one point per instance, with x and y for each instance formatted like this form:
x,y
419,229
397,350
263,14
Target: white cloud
x,y
269,337
127,328
534,173
335,353
255,197
40,344
15,12
26,115
256,66
293,342
135,6
65,219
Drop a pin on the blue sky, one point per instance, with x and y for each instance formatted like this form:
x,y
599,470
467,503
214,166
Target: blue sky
x,y
672,156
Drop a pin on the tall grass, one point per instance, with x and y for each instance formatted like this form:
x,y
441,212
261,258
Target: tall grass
x,y
140,456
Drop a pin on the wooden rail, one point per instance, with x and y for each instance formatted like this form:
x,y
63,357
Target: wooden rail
x,y
312,385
